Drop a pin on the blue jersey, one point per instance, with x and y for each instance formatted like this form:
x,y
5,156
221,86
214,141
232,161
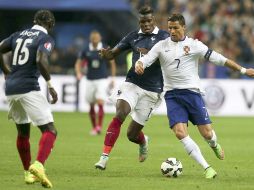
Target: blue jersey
x,y
24,72
96,67
152,79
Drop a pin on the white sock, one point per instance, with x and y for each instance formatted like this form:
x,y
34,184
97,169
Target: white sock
x,y
213,141
193,150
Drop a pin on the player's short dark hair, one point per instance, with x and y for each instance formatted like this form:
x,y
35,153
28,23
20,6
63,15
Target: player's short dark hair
x,y
146,9
177,17
44,18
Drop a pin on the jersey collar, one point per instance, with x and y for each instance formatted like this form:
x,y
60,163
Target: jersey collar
x,y
38,27
183,39
99,46
155,31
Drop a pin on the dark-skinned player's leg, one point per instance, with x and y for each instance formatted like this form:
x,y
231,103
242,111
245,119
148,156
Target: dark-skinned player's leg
x,y
135,134
122,110
45,146
23,144
47,140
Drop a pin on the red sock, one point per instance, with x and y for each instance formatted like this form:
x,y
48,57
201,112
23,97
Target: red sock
x,y
100,115
92,115
141,138
45,146
23,147
112,134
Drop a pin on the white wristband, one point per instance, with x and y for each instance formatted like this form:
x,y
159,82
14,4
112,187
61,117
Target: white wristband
x,y
243,70
49,84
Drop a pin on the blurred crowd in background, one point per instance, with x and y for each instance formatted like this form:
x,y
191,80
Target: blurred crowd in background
x,y
225,26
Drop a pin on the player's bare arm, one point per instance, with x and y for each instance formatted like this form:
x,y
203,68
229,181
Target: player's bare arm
x,y
4,49
233,65
139,68
113,72
42,62
78,69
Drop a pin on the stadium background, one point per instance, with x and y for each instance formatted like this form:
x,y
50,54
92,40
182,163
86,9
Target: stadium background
x,y
226,26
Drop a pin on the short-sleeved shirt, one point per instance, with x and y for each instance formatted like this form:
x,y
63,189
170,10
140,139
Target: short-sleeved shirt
x,y
152,79
96,66
24,71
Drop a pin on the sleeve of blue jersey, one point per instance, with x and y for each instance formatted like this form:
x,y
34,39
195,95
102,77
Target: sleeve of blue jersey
x,y
124,44
8,41
47,45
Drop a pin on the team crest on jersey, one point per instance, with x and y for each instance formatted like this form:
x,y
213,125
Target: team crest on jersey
x,y
186,49
152,38
48,46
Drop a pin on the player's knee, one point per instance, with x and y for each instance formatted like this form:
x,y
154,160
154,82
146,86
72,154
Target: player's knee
x,y
206,132
207,135
121,114
180,134
23,129
131,136
48,127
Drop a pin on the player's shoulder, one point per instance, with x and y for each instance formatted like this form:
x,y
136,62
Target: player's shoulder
x,y
194,43
192,40
17,33
198,43
163,33
132,34
163,42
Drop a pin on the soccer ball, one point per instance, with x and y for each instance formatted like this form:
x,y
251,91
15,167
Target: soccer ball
x,y
171,167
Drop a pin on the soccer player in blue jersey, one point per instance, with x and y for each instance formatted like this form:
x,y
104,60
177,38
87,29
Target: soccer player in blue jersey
x,y
139,94
30,51
97,83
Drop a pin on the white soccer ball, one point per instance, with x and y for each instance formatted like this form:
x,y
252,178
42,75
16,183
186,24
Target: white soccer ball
x,y
171,167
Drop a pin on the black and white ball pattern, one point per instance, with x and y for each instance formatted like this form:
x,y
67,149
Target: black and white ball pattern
x,y
171,167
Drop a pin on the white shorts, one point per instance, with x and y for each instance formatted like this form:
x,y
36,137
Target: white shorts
x,y
32,106
142,102
96,90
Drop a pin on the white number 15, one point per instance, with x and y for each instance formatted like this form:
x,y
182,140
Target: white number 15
x,y
21,52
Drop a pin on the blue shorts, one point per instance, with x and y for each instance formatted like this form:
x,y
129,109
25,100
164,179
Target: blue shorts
x,y
184,105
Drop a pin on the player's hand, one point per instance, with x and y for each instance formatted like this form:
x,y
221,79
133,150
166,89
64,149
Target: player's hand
x,y
139,68
106,53
53,94
250,72
143,50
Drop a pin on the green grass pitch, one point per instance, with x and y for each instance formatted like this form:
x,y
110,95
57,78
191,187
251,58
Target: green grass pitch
x,y
71,164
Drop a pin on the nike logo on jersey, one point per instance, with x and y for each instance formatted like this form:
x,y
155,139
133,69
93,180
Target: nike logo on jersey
x,y
167,50
152,38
